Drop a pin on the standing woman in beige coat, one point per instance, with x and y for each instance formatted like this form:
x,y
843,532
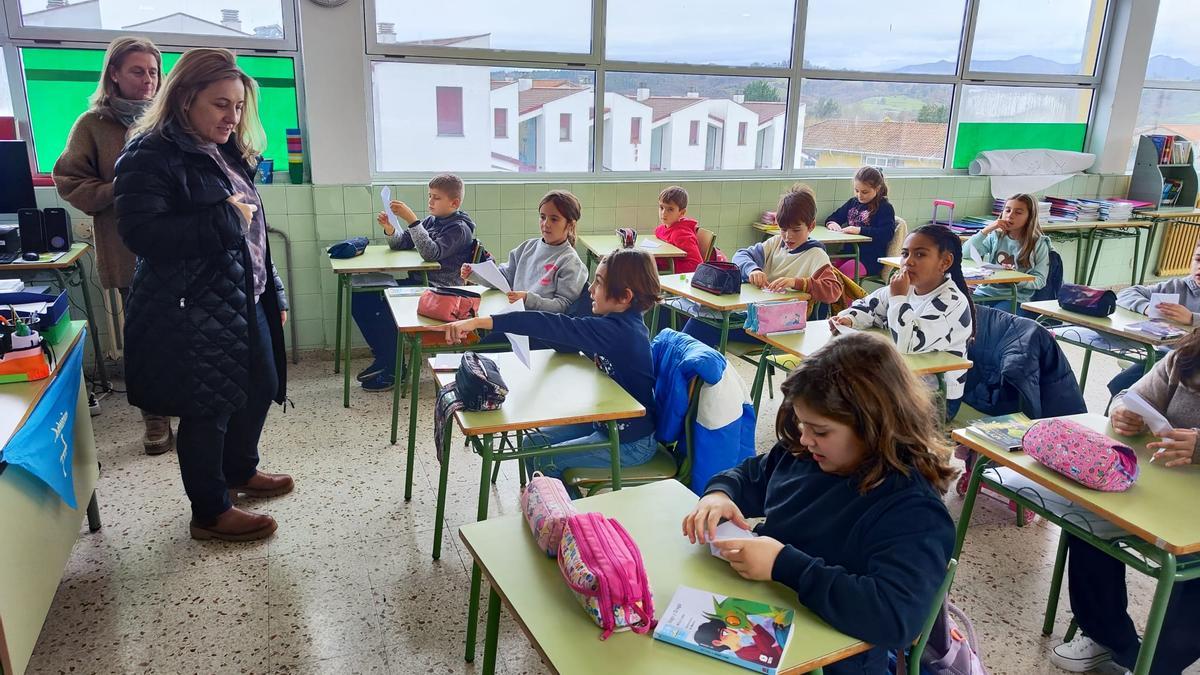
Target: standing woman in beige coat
x,y
84,172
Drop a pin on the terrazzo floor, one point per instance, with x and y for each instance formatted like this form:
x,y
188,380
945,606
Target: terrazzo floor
x,y
347,584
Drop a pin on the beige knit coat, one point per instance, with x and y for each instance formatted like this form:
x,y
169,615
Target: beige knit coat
x,y
83,175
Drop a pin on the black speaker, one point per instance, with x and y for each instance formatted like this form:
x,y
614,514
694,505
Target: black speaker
x,y
33,235
57,227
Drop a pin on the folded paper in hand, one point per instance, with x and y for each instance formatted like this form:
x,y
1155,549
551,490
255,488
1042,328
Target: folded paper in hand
x,y
727,530
1134,403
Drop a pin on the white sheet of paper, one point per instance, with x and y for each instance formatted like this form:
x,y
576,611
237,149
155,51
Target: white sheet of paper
x,y
839,329
974,253
1155,298
727,530
1134,403
651,243
447,361
386,196
489,272
520,343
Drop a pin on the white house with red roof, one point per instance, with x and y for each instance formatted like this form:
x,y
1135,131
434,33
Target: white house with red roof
x,y
626,133
553,126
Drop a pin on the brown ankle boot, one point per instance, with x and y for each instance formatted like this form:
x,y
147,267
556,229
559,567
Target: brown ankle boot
x,y
263,484
159,438
236,525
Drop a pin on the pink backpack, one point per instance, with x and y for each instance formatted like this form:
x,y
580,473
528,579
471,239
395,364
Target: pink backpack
x,y
603,568
546,506
448,303
1087,457
952,646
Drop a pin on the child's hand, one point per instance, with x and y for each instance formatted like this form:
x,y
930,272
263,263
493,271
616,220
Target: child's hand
x,y
853,229
387,226
842,321
833,227
899,284
457,331
992,226
1175,312
405,214
758,278
1177,447
781,284
1126,423
751,558
700,526
514,296
465,271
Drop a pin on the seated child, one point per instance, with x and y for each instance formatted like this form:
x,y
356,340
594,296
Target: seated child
x,y
786,261
852,495
445,236
615,338
870,214
927,306
1014,240
677,230
1186,311
1096,580
545,271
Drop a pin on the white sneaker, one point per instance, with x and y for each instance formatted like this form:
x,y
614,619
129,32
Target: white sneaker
x,y
1080,655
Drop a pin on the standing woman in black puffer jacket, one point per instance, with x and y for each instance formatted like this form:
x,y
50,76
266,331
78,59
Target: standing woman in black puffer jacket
x,y
204,324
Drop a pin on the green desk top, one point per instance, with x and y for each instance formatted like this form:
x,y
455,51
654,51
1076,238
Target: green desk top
x,y
603,244
380,258
1160,508
820,233
402,300
681,285
998,276
817,334
556,389
558,628
1116,323
67,260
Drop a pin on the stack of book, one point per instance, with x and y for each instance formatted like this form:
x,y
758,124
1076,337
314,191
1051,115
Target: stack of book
x,y
1171,189
1070,209
1112,209
768,218
1172,149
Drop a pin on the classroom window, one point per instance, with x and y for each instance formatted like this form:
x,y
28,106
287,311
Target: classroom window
x,y
564,127
901,40
58,83
752,33
1038,37
449,111
1000,118
1174,66
409,120
635,130
500,119
742,126
843,122
225,21
6,109
694,133
484,24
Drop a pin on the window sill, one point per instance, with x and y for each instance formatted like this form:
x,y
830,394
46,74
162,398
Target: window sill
x,y
451,135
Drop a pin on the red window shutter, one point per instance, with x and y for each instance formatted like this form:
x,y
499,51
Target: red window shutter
x,y
449,111
694,133
742,133
635,130
564,126
501,122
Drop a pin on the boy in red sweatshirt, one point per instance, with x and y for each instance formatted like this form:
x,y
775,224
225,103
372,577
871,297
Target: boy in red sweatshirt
x,y
677,230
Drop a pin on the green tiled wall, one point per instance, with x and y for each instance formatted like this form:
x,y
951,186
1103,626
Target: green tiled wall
x,y
314,217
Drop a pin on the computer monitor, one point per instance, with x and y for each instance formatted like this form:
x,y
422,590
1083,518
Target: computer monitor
x,y
16,181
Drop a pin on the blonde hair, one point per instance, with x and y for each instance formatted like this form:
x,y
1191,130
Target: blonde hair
x,y
1032,231
114,58
196,70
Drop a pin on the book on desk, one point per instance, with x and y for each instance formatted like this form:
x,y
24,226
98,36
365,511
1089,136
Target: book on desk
x,y
1006,431
746,633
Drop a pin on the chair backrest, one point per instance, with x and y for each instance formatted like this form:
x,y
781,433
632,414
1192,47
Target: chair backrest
x,y
1054,282
478,252
688,455
898,236
707,239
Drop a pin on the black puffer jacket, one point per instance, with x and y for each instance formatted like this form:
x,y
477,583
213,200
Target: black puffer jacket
x,y
188,323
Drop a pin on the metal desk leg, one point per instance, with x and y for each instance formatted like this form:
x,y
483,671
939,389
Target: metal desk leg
x,y
337,331
1150,232
397,376
443,474
964,519
671,265
760,376
97,350
346,346
1137,242
415,374
1151,357
1014,298
724,331
1060,563
491,637
93,514
614,445
1158,611
857,278
485,474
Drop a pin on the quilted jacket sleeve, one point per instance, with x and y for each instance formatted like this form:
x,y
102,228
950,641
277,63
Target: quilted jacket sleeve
x,y
280,290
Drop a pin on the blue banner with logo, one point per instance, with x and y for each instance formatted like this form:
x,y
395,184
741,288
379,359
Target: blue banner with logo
x,y
45,445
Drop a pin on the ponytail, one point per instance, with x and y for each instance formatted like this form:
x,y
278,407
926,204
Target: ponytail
x,y
948,242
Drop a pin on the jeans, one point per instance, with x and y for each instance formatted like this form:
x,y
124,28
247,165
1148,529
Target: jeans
x,y
633,453
711,335
952,406
1096,582
221,451
1126,379
374,319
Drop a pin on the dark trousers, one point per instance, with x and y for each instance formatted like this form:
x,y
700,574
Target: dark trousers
x,y
711,335
1126,379
219,452
1096,582
374,319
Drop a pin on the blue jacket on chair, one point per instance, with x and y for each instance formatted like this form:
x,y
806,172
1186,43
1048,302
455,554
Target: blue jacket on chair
x,y
1054,282
723,433
1019,367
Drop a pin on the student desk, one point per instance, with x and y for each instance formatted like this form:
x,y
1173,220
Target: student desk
x,y
1115,324
600,245
1009,277
530,585
68,271
1158,512
379,258
680,285
817,334
557,389
1158,217
410,327
825,236
38,530
1085,233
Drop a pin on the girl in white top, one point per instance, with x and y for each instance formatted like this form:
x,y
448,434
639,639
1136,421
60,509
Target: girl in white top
x,y
927,306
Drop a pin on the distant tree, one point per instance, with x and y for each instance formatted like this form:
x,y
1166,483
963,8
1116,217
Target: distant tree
x,y
934,112
826,108
761,90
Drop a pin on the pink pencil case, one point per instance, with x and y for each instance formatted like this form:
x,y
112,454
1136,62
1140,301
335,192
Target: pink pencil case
x,y
1087,457
547,506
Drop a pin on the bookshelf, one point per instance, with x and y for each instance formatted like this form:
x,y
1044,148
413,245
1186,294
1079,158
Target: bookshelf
x,y
1150,175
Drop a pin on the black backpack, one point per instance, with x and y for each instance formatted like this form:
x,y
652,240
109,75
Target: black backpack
x,y
720,278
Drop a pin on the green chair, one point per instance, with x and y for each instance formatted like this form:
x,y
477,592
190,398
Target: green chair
x,y
913,659
667,463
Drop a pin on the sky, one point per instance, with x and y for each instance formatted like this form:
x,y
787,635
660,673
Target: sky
x,y
1175,30
119,13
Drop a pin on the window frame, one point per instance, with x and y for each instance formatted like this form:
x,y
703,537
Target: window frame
x,y
92,36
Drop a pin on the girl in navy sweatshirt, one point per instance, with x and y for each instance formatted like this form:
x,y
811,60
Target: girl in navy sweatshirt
x,y
852,495
867,213
615,338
